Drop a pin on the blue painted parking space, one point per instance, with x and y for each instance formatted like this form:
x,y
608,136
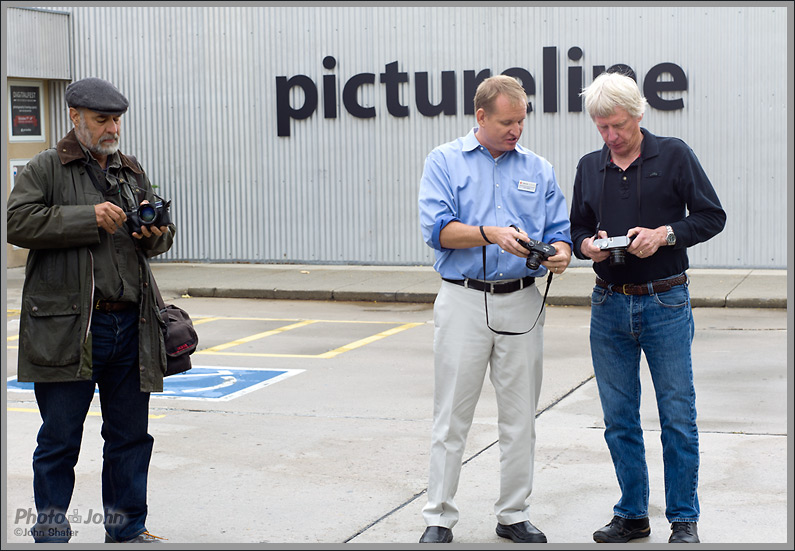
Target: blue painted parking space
x,y
216,383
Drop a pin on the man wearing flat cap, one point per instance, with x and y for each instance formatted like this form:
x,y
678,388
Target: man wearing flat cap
x,y
89,316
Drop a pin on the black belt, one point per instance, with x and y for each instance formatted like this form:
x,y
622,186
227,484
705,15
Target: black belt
x,y
112,306
642,288
505,287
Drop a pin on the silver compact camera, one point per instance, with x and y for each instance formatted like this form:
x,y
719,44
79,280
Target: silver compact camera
x,y
617,247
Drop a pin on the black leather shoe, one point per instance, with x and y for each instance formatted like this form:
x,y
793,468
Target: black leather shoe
x,y
621,530
437,534
684,532
143,537
521,532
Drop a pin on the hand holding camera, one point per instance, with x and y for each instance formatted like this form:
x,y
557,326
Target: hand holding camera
x,y
538,251
149,217
616,246
641,242
109,216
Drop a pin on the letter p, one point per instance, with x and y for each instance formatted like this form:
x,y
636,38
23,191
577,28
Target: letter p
x,y
285,111
24,514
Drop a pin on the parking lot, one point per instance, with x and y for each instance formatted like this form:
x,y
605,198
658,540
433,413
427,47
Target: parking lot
x,y
309,422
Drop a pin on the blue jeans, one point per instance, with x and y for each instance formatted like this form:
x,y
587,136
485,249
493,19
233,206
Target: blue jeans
x,y
128,446
661,325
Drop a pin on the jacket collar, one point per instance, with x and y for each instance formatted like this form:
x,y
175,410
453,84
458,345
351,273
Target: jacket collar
x,y
69,151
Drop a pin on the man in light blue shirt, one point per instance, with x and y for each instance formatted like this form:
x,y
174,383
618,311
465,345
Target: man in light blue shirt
x,y
481,195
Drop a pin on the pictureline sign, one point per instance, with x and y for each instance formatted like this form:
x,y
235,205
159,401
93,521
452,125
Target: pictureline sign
x,y
662,78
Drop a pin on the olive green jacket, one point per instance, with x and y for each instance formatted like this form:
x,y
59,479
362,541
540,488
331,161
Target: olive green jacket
x,y
51,212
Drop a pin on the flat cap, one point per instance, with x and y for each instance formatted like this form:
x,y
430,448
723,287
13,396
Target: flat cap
x,y
97,95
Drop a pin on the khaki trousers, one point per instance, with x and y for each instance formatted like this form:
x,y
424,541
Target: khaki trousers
x,y
463,349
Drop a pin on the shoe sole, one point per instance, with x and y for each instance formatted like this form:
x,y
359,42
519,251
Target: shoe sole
x,y
448,539
541,538
631,536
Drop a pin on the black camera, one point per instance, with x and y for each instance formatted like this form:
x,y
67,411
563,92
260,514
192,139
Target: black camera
x,y
539,252
149,214
617,247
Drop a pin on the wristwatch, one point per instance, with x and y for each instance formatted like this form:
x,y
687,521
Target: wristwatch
x,y
670,238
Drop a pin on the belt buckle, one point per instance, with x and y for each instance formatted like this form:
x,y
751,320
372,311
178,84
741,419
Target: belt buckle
x,y
624,288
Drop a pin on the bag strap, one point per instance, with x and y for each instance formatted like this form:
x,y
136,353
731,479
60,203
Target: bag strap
x,y
90,172
158,297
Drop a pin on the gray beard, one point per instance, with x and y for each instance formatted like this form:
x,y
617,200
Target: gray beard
x,y
110,150
82,134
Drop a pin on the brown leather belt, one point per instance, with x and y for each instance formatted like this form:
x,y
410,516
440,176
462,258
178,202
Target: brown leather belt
x,y
642,288
505,287
112,306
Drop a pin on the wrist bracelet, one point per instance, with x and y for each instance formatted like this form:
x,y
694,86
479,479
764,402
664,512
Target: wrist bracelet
x,y
484,236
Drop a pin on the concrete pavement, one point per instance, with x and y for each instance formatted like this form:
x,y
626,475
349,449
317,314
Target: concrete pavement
x,y
339,454
731,288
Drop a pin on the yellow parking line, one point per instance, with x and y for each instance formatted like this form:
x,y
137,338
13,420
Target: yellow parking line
x,y
9,313
236,318
92,413
368,340
255,337
199,321
222,349
209,352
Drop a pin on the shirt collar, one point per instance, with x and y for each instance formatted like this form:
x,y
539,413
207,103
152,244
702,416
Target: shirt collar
x,y
471,143
649,148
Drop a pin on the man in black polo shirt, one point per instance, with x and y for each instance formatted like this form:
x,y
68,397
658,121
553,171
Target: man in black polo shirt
x,y
638,203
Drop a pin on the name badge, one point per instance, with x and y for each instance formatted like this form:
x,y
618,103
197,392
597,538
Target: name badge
x,y
527,186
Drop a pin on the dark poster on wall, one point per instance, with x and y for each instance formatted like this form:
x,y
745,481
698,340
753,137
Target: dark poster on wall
x,y
25,111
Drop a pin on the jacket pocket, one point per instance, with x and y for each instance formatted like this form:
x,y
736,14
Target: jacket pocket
x,y
52,333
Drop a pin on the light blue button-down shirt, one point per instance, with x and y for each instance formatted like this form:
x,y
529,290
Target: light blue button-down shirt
x,y
463,182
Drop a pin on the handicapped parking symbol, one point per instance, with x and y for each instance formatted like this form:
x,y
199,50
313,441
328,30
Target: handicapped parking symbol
x,y
190,381
220,383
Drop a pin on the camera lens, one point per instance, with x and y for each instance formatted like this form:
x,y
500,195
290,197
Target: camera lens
x,y
147,213
617,257
534,261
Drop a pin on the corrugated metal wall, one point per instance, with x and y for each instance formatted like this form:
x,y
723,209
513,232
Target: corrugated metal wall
x,y
202,87
47,38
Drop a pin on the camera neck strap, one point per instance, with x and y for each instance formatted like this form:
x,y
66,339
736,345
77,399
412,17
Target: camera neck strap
x,y
486,302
